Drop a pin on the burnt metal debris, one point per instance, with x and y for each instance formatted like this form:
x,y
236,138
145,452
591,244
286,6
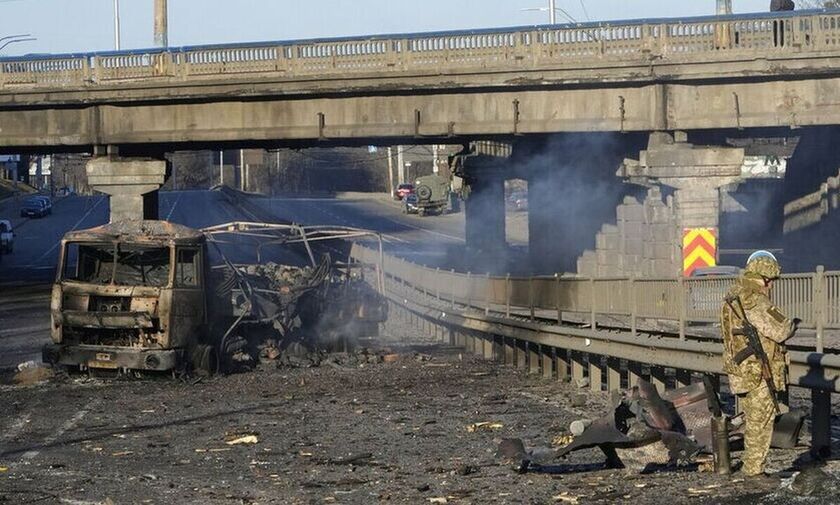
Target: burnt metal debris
x,y
141,295
646,430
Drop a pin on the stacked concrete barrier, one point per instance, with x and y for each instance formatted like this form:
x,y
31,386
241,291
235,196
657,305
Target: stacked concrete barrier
x,y
642,243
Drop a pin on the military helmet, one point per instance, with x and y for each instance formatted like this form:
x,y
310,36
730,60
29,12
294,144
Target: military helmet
x,y
763,264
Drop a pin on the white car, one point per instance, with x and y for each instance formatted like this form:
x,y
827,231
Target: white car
x,y
7,236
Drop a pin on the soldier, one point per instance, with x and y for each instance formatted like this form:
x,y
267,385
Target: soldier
x,y
752,295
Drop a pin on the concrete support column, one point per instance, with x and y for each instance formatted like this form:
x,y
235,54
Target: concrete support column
x,y
544,189
132,185
485,215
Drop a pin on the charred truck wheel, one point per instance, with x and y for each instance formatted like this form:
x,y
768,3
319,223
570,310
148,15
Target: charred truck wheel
x,y
204,359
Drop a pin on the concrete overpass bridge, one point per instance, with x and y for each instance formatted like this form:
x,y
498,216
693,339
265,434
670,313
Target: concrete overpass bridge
x,y
669,77
747,71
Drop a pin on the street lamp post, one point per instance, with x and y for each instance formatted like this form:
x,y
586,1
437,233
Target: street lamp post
x,y
117,25
552,11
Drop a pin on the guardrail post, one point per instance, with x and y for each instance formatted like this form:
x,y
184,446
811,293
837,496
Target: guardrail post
x,y
596,380
633,305
634,374
557,300
531,298
489,343
576,360
657,378
469,290
533,358
510,351
613,374
452,297
507,295
683,378
487,295
561,364
820,422
548,358
521,354
820,306
425,291
437,283
593,323
682,306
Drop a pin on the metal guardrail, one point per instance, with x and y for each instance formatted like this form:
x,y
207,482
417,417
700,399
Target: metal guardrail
x,y
644,40
812,297
431,299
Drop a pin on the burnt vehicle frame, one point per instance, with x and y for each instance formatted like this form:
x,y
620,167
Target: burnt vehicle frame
x,y
138,295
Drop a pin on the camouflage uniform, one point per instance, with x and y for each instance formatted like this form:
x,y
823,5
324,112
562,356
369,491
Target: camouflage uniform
x,y
745,379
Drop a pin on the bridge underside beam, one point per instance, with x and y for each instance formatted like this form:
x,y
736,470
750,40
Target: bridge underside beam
x,y
653,107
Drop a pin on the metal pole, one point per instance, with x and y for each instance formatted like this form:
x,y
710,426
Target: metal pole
x,y
221,168
400,165
242,169
391,171
161,24
724,7
117,25
552,11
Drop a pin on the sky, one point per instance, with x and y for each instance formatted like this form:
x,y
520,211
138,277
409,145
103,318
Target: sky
x,y
65,26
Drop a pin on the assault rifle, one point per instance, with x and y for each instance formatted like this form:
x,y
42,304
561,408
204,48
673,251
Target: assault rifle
x,y
754,348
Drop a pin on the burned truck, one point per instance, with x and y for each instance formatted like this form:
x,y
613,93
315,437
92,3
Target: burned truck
x,y
158,296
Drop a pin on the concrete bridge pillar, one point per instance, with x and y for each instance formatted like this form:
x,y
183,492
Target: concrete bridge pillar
x,y
485,214
697,173
132,185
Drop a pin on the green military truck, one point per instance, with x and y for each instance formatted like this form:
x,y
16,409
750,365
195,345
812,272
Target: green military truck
x,y
432,194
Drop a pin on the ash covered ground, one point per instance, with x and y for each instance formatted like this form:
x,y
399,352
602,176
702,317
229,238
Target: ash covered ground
x,y
364,428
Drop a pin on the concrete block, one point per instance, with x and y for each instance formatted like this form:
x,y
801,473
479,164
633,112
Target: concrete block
x,y
662,268
659,214
610,241
610,271
633,212
634,246
658,250
609,229
662,233
608,258
632,230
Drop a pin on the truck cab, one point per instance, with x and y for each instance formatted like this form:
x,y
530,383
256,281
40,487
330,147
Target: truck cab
x,y
129,295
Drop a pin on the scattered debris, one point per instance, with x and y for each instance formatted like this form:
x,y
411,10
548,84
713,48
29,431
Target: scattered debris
x,y
484,426
577,427
243,440
565,497
441,499
562,440
30,374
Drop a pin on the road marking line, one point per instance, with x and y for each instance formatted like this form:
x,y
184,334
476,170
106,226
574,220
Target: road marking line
x,y
54,247
64,428
25,329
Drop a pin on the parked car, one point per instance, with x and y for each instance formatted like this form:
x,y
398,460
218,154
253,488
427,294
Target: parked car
x,y
7,236
403,190
411,204
47,202
34,207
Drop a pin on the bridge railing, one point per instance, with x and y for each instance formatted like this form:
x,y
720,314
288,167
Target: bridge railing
x,y
812,297
806,31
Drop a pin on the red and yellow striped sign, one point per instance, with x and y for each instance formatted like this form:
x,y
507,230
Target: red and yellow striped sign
x,y
699,249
